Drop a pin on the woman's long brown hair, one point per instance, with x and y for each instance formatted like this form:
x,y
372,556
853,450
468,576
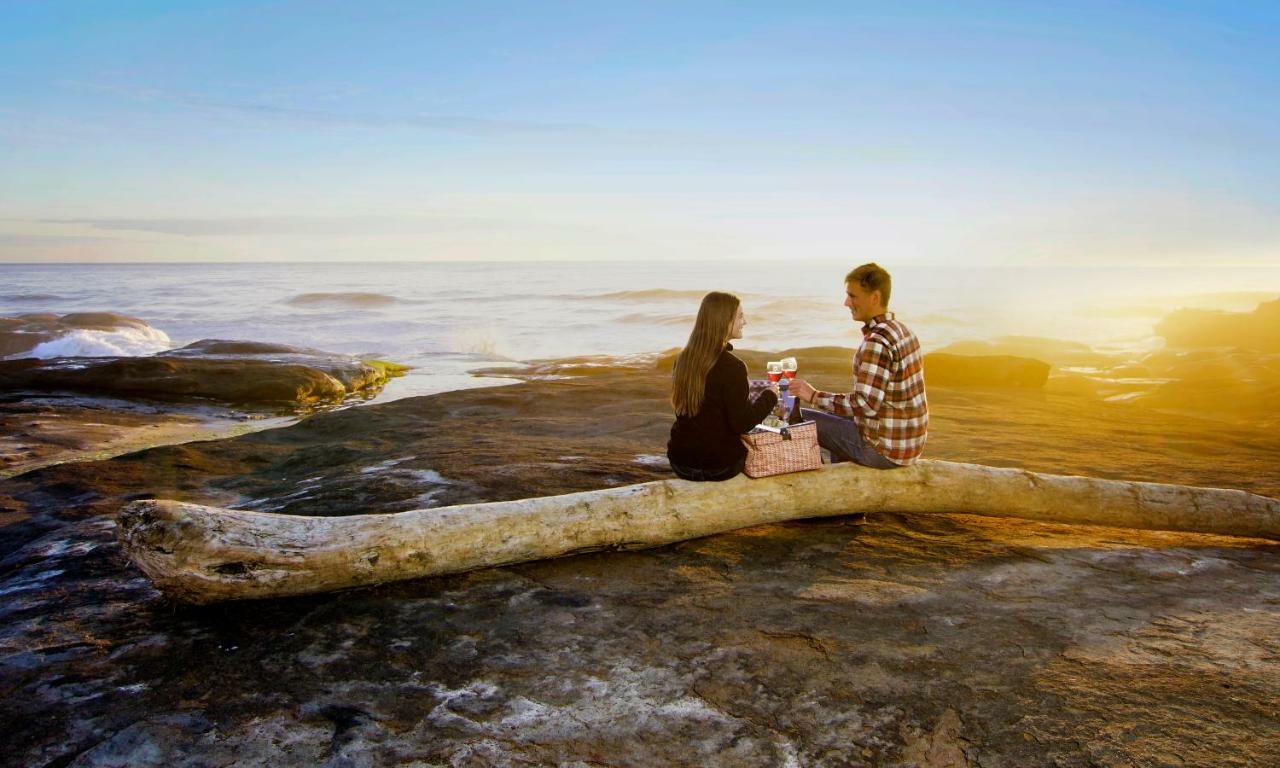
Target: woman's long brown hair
x,y
706,341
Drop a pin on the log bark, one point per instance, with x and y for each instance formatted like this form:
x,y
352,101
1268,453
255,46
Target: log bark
x,y
201,554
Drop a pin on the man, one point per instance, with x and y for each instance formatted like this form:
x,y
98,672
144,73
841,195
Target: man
x,y
884,421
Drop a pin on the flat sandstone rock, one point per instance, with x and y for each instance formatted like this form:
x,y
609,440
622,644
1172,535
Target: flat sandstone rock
x,y
976,641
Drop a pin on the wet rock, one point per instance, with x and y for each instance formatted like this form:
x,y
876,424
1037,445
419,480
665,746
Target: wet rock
x,y
942,369
237,373
45,430
943,747
1025,644
1235,384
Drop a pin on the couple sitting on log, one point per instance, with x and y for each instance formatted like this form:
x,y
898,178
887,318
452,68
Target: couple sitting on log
x,y
882,423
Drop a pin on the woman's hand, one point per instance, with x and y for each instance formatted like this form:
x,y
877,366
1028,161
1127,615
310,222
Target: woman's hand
x,y
803,390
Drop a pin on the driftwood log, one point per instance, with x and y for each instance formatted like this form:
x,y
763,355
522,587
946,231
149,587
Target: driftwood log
x,y
204,554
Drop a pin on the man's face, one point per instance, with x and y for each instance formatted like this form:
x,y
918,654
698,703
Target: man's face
x,y
862,304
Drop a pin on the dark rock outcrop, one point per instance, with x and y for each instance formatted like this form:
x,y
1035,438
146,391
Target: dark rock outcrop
x,y
231,372
1258,330
24,333
1057,352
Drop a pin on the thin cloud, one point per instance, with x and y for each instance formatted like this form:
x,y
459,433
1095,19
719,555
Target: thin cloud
x,y
307,226
455,124
38,241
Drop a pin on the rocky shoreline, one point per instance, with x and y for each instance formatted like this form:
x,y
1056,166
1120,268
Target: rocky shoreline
x,y
81,408
911,640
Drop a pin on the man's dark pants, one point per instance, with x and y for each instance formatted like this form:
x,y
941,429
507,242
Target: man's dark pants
x,y
841,436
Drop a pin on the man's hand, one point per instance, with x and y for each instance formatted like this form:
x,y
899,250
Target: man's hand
x,y
802,389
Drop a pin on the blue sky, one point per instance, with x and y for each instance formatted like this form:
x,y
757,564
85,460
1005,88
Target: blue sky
x,y
991,133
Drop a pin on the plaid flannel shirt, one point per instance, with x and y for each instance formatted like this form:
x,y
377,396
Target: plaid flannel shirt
x,y
888,401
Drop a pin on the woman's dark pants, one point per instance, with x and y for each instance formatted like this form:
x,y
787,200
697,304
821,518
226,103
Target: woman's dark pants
x,y
714,475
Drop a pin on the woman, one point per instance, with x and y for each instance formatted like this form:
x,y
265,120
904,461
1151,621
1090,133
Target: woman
x,y
710,394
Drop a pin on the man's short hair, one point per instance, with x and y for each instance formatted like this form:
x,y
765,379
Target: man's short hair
x,y
872,277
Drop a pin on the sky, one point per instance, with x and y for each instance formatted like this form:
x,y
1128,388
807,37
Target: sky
x,y
996,134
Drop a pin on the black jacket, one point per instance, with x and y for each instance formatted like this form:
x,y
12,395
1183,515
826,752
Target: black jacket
x,y
709,438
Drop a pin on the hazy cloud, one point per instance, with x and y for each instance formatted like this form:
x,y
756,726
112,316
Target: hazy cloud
x,y
458,124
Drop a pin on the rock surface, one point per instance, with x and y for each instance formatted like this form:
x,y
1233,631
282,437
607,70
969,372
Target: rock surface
x,y
911,640
40,431
1236,384
927,641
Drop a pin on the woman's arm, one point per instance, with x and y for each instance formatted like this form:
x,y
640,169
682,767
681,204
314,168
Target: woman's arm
x,y
741,413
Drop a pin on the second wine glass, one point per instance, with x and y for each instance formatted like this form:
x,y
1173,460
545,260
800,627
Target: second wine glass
x,y
789,367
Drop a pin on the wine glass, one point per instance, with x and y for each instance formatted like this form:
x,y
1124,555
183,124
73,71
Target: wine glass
x,y
789,367
774,370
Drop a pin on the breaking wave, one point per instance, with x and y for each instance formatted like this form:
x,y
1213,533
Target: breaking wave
x,y
25,298
641,318
783,310
343,299
648,294
120,342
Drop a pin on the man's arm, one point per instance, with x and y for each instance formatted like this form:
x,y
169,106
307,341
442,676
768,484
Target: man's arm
x,y
870,383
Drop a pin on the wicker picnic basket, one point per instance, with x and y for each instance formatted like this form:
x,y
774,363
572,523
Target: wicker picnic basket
x,y
793,448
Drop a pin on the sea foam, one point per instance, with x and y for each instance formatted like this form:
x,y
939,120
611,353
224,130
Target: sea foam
x,y
120,342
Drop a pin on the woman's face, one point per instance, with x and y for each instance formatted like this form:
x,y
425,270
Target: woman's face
x,y
739,322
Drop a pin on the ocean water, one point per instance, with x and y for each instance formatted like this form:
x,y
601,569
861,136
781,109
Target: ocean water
x,y
446,319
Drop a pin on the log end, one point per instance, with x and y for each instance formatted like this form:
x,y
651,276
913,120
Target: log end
x,y
146,531
170,542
